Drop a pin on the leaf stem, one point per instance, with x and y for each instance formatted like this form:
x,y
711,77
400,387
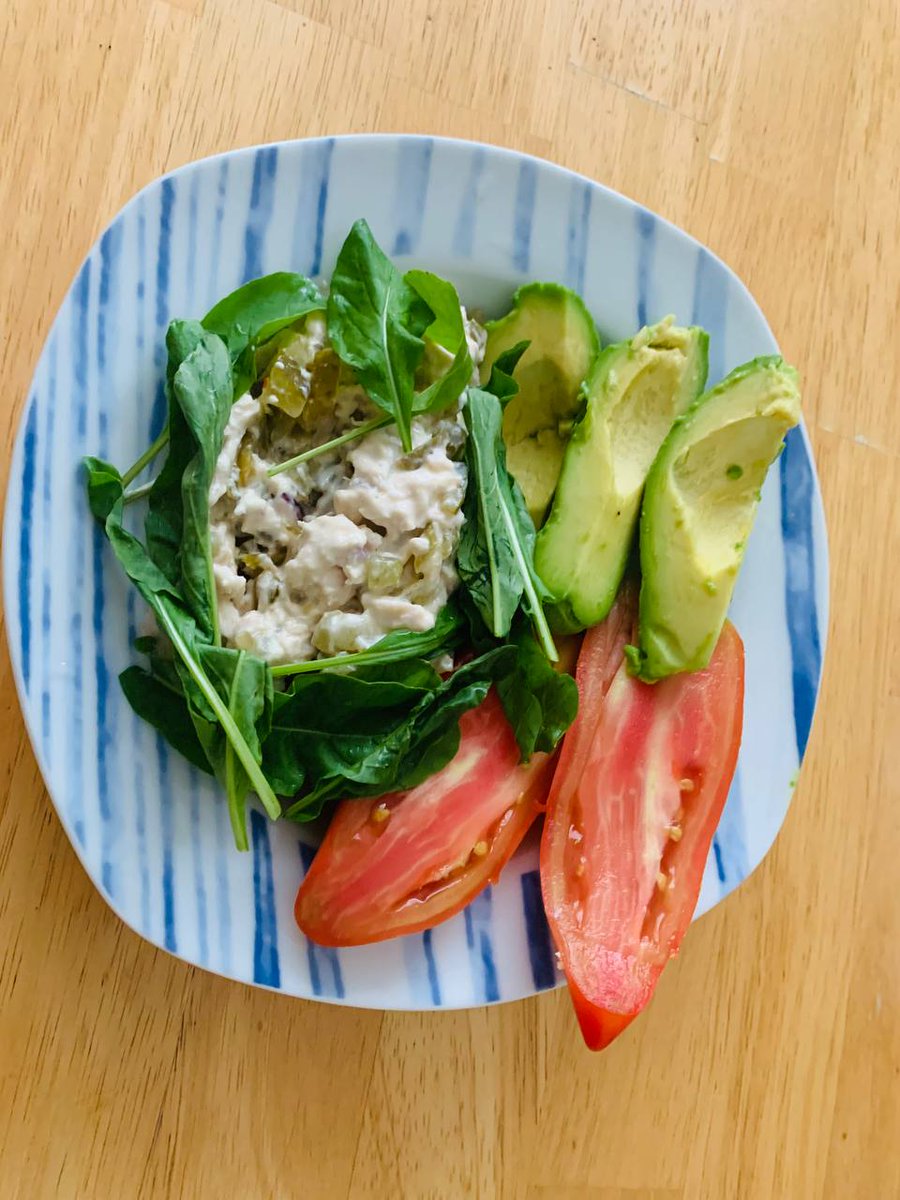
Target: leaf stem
x,y
488,533
537,611
237,811
349,436
138,493
254,771
147,457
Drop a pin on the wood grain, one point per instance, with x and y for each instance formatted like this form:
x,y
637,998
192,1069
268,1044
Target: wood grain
x,y
769,1063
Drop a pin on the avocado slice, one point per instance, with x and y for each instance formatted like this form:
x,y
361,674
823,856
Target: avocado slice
x,y
699,505
537,422
635,391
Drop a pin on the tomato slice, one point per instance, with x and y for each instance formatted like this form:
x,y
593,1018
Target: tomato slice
x,y
641,782
407,861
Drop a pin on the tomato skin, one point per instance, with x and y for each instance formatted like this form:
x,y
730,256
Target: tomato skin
x,y
404,862
640,786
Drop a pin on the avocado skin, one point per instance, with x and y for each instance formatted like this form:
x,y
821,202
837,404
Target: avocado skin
x,y
683,601
564,345
584,547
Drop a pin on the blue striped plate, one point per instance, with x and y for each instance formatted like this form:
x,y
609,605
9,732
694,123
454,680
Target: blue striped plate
x,y
153,833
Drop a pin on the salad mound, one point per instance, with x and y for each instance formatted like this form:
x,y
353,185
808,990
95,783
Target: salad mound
x,y
354,592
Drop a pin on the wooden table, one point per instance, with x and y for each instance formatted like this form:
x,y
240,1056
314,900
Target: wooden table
x,y
769,1063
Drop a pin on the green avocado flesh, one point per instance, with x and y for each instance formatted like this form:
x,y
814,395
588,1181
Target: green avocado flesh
x,y
699,505
635,391
537,422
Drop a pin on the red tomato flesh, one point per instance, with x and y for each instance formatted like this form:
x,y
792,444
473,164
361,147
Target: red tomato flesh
x,y
406,861
641,782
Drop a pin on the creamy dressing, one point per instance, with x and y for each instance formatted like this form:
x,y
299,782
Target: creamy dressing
x,y
331,555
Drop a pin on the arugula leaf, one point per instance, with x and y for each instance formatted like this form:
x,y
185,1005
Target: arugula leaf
x,y
540,702
496,546
446,330
340,736
375,322
448,387
245,682
501,382
446,634
257,312
162,704
440,295
236,713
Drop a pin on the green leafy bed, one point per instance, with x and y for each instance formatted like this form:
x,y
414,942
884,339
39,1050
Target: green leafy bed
x,y
302,736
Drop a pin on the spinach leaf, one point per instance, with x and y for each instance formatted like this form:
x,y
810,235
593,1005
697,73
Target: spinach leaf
x,y
446,634
372,736
165,512
257,312
329,722
162,704
104,487
496,546
202,389
375,322
200,399
540,702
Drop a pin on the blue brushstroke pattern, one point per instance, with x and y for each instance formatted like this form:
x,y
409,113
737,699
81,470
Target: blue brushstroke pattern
x,y
266,968
216,250
166,800
324,173
80,297
481,951
467,214
577,234
104,733
311,206
323,960
80,543
646,233
199,884
431,965
540,945
710,309
720,866
732,862
110,249
411,192
797,498
523,216
141,289
262,199
26,511
224,849
164,251
47,517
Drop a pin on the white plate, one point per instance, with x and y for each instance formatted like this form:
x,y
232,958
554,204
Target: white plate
x,y
152,832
